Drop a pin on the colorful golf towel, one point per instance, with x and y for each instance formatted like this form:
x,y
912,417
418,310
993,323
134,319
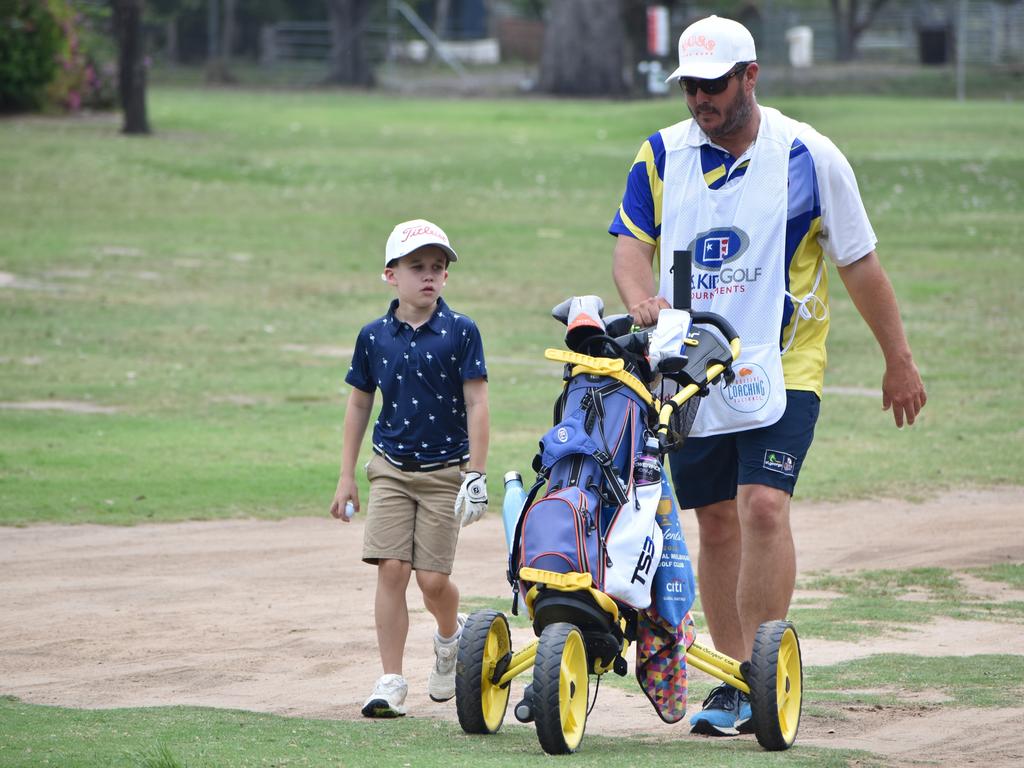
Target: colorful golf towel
x,y
665,630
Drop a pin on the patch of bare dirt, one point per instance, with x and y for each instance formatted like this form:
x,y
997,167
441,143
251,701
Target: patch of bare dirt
x,y
278,617
8,280
69,406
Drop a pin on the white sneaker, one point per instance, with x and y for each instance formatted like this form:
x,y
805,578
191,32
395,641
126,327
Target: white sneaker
x,y
441,684
388,697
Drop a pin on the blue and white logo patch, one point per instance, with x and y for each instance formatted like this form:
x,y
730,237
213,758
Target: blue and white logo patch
x,y
716,247
777,461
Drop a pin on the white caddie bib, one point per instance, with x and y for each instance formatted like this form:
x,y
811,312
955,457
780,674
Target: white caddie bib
x,y
737,237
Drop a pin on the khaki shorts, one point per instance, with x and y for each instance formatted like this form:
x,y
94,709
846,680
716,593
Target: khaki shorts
x,y
411,516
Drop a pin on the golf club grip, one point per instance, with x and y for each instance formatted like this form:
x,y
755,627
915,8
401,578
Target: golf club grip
x,y
627,340
682,264
710,318
699,318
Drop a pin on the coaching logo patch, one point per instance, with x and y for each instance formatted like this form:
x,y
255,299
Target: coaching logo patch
x,y
750,389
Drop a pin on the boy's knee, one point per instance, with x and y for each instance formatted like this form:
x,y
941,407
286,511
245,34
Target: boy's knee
x,y
394,572
432,583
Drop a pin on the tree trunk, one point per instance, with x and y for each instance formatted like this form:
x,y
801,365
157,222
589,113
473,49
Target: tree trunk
x,y
634,24
350,64
850,24
218,64
228,32
131,65
584,49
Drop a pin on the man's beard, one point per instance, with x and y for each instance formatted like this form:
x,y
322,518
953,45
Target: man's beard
x,y
737,115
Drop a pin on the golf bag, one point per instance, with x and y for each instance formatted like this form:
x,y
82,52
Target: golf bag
x,y
594,517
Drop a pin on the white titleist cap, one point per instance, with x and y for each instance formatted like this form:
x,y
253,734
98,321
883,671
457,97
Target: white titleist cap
x,y
411,235
711,47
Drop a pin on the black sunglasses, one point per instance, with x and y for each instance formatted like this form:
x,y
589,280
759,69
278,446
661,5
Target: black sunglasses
x,y
711,87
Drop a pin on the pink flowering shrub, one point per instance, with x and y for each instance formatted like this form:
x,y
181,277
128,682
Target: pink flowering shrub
x,y
86,72
55,55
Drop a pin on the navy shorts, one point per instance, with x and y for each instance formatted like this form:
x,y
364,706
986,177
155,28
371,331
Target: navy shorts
x,y
707,470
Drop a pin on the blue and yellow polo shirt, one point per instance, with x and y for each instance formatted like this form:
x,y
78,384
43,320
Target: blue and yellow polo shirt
x,y
825,216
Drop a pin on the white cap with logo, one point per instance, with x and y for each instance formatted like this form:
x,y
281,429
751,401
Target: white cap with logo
x,y
709,48
411,235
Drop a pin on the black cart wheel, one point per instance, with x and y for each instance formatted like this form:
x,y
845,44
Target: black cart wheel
x,y
560,688
479,702
776,685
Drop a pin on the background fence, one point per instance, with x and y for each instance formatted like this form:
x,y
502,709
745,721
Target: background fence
x,y
900,34
906,33
924,33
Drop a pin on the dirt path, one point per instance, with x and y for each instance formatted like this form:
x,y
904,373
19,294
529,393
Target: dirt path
x,y
277,617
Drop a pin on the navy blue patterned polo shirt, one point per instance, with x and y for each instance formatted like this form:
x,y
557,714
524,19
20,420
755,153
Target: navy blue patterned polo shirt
x,y
420,375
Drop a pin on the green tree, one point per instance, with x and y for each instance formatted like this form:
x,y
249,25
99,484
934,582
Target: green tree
x,y
30,39
852,18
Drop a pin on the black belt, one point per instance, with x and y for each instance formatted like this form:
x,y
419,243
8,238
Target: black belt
x,y
408,465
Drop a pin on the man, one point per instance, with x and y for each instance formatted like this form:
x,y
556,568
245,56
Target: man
x,y
757,200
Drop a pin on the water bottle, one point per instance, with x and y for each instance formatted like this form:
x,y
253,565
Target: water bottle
x,y
647,467
515,497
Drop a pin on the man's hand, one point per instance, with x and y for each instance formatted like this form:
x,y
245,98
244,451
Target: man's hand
x,y
646,313
872,294
903,392
471,503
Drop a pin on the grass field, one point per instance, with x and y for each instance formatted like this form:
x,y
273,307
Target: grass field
x,y
185,737
194,296
204,286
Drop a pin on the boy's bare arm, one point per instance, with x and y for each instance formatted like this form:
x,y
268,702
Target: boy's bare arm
x,y
478,423
357,416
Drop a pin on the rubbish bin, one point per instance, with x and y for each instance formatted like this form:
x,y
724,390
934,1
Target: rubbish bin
x,y
933,43
801,46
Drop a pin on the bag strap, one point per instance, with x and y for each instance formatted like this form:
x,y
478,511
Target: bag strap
x,y
600,366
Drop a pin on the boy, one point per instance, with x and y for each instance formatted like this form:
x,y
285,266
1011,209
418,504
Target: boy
x,y
430,449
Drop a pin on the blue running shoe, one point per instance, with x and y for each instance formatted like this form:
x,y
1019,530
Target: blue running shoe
x,y
718,714
744,721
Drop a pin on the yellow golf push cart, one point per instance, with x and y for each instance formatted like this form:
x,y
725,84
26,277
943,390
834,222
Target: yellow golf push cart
x,y
582,630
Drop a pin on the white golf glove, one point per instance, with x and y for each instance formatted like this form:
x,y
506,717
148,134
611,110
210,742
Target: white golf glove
x,y
471,503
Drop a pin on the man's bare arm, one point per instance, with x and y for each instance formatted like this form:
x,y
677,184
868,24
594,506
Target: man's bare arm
x,y
633,272
872,294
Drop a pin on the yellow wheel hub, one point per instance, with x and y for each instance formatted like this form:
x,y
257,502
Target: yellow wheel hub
x,y
788,685
573,680
494,699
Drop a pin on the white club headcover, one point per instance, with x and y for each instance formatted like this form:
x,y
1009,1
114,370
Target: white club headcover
x,y
669,336
584,319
